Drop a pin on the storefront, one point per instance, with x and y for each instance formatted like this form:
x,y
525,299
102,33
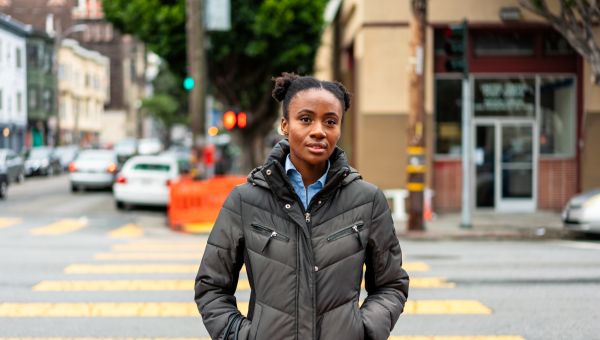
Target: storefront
x,y
526,114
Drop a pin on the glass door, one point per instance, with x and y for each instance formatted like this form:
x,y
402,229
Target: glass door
x,y
485,165
515,166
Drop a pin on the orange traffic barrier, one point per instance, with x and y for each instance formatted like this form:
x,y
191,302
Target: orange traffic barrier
x,y
195,205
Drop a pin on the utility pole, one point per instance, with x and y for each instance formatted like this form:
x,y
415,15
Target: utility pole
x,y
415,168
196,67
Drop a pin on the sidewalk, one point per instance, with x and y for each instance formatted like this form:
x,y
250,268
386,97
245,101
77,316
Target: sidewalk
x,y
488,226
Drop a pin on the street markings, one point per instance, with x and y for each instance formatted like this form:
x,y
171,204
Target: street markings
x,y
9,222
148,256
60,228
197,228
130,268
196,247
130,230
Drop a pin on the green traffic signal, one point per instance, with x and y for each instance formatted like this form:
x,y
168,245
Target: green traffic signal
x,y
188,83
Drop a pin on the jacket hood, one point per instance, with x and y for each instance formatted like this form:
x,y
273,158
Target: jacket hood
x,y
340,172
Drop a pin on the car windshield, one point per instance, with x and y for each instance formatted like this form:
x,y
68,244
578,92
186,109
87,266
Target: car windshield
x,y
95,156
39,153
152,167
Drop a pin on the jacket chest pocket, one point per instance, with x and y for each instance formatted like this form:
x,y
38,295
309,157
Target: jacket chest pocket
x,y
268,235
352,230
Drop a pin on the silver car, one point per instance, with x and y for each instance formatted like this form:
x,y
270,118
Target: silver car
x,y
13,164
93,169
582,212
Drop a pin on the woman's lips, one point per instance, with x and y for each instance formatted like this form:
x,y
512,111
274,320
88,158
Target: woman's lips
x,y
317,148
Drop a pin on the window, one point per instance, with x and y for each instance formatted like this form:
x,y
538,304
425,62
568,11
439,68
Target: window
x,y
448,116
495,43
32,98
557,107
18,57
556,45
504,97
19,101
152,167
1,97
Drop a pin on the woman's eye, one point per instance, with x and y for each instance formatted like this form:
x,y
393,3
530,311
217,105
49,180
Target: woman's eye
x,y
331,122
305,120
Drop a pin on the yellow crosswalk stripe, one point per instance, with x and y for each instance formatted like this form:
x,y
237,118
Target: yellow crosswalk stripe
x,y
484,337
59,228
9,222
185,309
128,285
183,247
127,231
133,256
197,228
130,268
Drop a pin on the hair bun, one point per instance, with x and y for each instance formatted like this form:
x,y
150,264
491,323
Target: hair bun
x,y
282,84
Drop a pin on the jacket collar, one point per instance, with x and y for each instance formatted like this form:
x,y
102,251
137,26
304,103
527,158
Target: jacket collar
x,y
272,175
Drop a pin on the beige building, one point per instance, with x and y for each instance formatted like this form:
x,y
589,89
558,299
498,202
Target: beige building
x,y
535,114
84,88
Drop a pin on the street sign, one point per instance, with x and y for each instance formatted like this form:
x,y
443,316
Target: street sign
x,y
218,15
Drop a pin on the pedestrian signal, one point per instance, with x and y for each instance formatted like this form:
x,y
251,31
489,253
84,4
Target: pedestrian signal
x,y
229,120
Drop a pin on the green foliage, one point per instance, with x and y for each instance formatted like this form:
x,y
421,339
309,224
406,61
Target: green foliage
x,y
164,108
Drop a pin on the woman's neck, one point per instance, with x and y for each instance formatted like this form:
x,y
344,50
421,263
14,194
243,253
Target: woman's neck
x,y
310,173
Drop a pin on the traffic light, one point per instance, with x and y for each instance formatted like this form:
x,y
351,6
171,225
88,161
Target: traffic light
x,y
241,120
455,46
229,120
188,83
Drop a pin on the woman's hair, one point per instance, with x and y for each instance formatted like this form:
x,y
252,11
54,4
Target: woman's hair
x,y
288,84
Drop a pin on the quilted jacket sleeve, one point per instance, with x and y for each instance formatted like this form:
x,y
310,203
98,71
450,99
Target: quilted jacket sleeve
x,y
385,280
219,271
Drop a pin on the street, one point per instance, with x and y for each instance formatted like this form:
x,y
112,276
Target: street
x,y
73,266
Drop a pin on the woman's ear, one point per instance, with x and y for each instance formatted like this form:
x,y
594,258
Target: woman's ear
x,y
284,126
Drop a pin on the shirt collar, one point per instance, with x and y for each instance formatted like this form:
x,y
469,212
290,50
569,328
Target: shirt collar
x,y
289,167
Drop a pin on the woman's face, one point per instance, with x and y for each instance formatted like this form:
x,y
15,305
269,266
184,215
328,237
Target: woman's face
x,y
313,127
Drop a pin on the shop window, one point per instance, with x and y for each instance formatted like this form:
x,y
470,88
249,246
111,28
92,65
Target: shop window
x,y
491,43
504,97
557,106
448,112
556,45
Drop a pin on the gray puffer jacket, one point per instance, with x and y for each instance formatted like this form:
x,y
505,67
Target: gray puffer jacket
x,y
304,266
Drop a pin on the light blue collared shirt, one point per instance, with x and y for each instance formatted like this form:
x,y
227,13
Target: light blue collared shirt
x,y
305,194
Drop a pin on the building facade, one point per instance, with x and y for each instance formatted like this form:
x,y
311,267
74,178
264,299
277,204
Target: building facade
x,y
83,78
13,83
41,83
535,116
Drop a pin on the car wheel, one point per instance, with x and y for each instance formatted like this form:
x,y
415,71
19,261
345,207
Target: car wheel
x,y
120,205
73,188
3,190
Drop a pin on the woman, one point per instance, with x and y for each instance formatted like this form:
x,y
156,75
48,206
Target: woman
x,y
304,225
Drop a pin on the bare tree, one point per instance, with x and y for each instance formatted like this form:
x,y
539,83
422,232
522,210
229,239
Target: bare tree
x,y
574,21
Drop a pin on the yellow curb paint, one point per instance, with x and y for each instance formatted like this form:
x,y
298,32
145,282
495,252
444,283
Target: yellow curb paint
x,y
103,309
130,268
127,231
149,256
59,228
198,228
115,285
9,222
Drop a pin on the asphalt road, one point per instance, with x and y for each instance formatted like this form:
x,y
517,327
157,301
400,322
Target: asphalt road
x,y
72,266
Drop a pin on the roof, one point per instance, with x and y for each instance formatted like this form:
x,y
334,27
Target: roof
x,y
12,25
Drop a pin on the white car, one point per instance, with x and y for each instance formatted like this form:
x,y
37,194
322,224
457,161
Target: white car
x,y
93,169
582,212
145,180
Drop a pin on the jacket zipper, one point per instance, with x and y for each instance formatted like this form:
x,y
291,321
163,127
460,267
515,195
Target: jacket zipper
x,y
272,235
356,228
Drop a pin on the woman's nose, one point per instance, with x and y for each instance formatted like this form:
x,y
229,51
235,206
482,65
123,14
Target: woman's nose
x,y
318,131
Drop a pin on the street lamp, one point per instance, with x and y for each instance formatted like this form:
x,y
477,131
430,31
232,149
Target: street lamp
x,y
58,38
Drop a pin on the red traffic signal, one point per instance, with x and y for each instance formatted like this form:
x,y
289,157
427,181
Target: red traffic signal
x,y
229,120
241,120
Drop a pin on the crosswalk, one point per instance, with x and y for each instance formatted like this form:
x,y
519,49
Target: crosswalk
x,y
136,263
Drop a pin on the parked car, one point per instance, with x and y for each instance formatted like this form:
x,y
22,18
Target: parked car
x,y
145,180
93,169
66,154
149,146
126,149
582,212
3,183
43,161
13,164
182,154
